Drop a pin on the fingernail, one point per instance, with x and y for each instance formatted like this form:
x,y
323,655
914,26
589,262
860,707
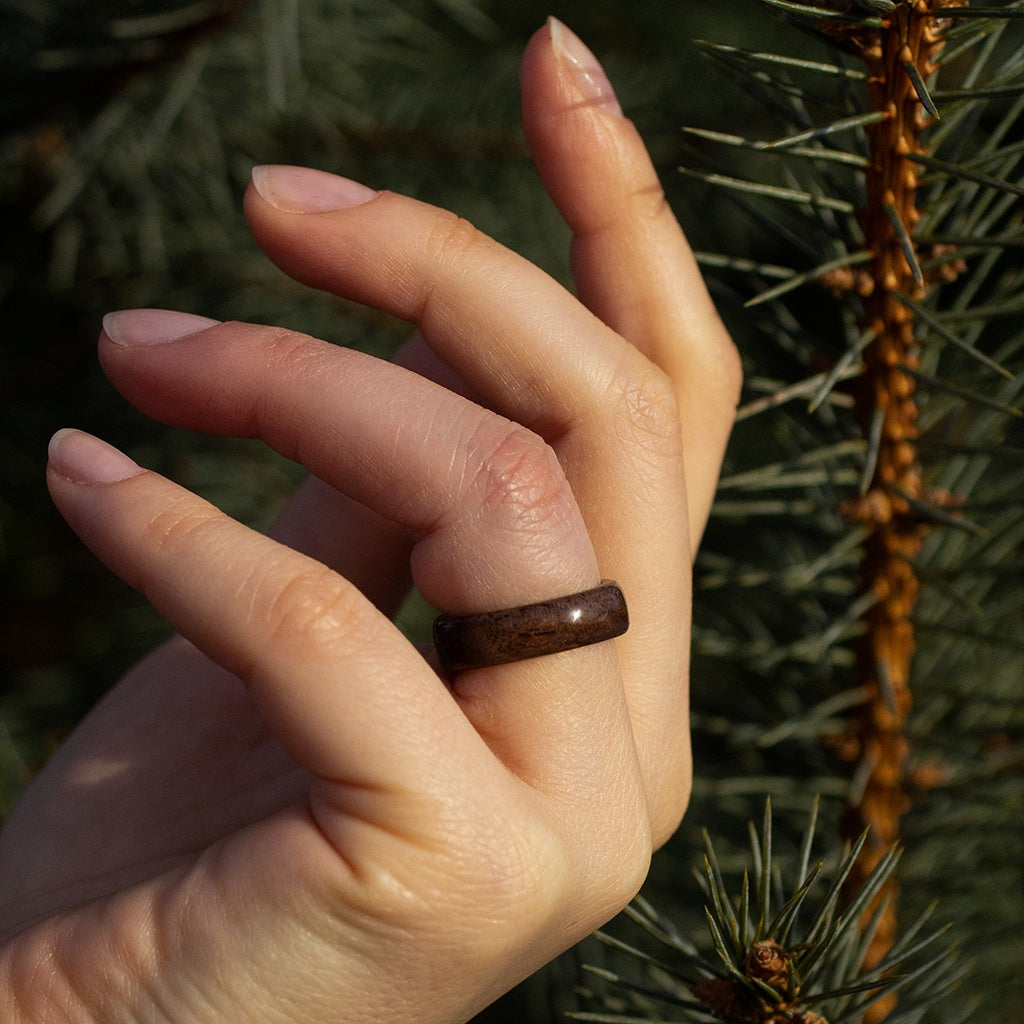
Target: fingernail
x,y
590,76
152,326
305,190
84,459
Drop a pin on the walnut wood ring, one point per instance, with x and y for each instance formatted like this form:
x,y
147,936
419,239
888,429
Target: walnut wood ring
x,y
514,634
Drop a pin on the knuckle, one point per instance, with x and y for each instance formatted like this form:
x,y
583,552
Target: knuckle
x,y
641,205
520,479
451,236
312,609
647,418
450,239
636,868
668,815
619,868
634,849
289,356
730,372
289,359
180,525
286,350
651,202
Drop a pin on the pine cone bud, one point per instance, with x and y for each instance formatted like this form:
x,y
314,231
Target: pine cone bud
x,y
767,961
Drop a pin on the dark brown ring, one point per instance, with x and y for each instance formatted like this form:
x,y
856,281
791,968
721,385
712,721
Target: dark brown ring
x,y
529,631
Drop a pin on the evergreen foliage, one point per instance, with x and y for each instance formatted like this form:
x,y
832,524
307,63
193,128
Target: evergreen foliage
x,y
859,604
798,957
857,167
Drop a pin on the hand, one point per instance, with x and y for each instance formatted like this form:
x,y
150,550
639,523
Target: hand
x,y
285,814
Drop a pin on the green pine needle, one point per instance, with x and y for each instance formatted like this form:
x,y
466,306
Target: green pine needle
x,y
978,95
925,317
921,88
906,242
825,13
844,124
796,280
783,60
787,195
960,13
784,148
971,397
958,171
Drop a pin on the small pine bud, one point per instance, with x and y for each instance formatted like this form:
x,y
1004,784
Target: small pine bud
x,y
767,961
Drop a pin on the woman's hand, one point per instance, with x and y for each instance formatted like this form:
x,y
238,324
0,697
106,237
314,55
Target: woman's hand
x,y
286,815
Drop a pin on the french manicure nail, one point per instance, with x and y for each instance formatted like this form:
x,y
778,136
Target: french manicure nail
x,y
305,190
152,326
590,76
84,459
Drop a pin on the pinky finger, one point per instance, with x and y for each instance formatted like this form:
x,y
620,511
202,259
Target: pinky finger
x,y
304,639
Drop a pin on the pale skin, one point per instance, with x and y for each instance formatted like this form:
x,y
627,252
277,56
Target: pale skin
x,y
285,815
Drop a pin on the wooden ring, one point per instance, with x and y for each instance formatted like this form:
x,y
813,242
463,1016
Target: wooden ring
x,y
514,634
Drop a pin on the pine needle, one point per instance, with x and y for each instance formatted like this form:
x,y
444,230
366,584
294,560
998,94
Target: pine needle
x,y
797,279
969,396
823,13
974,241
960,13
842,125
981,314
782,60
958,171
817,386
838,156
843,370
166,22
764,888
995,92
743,266
920,87
926,318
788,195
906,242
